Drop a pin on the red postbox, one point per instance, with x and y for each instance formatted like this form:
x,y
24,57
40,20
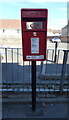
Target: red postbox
x,y
34,34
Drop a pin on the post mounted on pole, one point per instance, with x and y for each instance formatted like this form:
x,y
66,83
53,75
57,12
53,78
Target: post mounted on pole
x,y
34,41
33,85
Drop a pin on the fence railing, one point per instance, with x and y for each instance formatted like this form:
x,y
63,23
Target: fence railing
x,y
50,76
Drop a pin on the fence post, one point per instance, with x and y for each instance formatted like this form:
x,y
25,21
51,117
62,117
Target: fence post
x,y
63,69
56,44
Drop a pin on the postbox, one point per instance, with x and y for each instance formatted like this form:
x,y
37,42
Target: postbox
x,y
34,34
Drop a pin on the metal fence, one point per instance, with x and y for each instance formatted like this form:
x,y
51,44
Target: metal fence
x,y
51,76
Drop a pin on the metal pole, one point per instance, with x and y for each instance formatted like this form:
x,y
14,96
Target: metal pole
x,y
55,51
33,85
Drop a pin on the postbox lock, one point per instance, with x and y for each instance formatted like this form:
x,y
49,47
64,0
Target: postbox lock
x,y
34,34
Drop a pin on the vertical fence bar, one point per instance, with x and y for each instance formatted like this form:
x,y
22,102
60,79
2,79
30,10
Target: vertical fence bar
x,y
6,66
12,68
41,67
52,54
50,74
29,72
46,61
55,51
22,72
17,68
58,56
63,69
57,61
22,67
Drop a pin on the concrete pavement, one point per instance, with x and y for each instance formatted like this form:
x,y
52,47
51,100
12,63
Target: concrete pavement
x,y
43,110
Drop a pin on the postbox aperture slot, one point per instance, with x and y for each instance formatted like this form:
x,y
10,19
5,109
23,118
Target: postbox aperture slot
x,y
33,25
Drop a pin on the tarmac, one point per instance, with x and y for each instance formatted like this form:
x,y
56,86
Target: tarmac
x,y
43,110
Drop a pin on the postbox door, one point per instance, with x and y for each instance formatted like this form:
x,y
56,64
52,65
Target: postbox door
x,y
34,43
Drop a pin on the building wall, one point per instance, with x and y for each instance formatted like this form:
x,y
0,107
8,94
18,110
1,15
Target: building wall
x,y
10,31
64,32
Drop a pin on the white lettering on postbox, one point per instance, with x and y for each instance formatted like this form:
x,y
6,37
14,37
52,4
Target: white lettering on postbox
x,y
35,45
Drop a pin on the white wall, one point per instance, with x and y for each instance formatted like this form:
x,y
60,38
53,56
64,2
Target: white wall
x,y
10,33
